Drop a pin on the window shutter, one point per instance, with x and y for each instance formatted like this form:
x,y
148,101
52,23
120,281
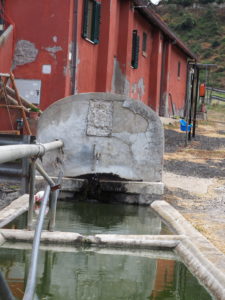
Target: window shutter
x,y
135,50
96,22
85,20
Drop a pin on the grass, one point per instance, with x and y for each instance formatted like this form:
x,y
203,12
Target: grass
x,y
215,106
222,95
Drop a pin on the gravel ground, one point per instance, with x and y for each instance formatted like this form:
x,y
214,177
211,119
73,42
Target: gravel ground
x,y
8,193
194,176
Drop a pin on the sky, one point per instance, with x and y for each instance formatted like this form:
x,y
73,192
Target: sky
x,y
155,1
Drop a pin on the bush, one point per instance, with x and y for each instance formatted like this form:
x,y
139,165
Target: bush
x,y
215,44
207,53
188,22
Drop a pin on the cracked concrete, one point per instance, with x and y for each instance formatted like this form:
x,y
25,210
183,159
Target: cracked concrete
x,y
25,52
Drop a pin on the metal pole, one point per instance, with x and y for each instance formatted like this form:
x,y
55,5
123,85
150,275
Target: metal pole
x,y
31,196
53,203
5,293
189,85
25,168
31,283
44,174
9,153
196,103
54,194
191,103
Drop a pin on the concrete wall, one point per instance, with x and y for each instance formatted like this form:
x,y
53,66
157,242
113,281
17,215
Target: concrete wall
x,y
104,133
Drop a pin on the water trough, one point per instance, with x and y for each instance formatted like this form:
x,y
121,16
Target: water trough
x,y
113,145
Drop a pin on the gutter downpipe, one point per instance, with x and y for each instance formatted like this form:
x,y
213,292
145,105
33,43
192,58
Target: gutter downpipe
x,y
74,53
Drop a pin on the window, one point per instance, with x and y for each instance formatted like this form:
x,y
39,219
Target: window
x,y
144,42
135,49
91,20
178,69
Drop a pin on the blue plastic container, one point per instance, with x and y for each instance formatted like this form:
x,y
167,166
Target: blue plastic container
x,y
184,126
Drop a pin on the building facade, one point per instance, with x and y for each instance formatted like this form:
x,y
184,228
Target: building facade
x,y
57,48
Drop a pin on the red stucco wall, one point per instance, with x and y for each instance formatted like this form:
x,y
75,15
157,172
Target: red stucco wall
x,y
155,75
140,77
105,67
176,84
47,25
87,54
6,50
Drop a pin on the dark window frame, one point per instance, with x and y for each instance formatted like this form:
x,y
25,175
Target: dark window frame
x,y
178,69
91,21
144,42
135,49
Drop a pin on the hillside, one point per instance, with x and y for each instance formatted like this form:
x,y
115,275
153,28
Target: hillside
x,y
202,28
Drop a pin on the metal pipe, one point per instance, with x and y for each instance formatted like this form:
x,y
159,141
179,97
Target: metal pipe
x,y
53,203
44,174
9,153
54,194
31,282
31,196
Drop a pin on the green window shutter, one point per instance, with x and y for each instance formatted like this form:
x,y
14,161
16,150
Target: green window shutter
x,y
85,20
96,22
135,49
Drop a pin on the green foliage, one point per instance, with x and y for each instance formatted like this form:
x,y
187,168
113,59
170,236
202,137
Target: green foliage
x,y
207,53
215,44
34,109
202,29
187,23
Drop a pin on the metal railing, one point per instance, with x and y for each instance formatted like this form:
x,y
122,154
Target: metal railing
x,y
9,153
15,172
31,281
211,96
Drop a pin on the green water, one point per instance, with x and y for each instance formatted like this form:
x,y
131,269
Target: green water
x,y
88,275
95,218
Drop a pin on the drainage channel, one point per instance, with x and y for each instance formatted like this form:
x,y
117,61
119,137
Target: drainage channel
x,y
83,272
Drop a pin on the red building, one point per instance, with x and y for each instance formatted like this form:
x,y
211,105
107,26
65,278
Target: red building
x,y
57,48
